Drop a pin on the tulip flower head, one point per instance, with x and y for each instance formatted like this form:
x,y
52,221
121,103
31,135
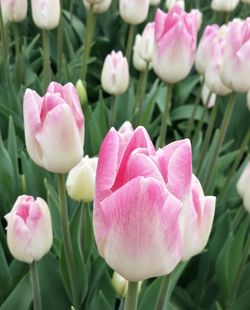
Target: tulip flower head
x,y
46,13
115,74
54,127
98,6
207,98
14,10
134,12
243,187
224,5
235,66
175,43
150,211
81,180
171,3
29,230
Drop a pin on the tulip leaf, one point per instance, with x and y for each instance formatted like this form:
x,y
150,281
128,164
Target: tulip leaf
x,y
5,275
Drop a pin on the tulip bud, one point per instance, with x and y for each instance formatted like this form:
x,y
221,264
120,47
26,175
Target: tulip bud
x,y
243,187
29,230
46,13
171,3
54,127
175,43
115,74
98,6
80,182
155,2
224,5
81,92
134,11
205,95
14,10
120,284
139,63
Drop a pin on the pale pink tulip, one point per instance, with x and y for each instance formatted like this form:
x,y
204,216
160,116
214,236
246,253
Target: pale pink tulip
x,y
175,43
144,203
115,74
98,7
14,10
235,65
134,11
224,5
29,230
54,127
243,187
46,13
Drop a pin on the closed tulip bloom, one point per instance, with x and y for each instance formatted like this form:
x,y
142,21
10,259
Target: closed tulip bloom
x,y
171,3
235,65
147,43
99,7
115,74
155,2
205,95
81,180
139,63
243,187
224,5
54,127
175,43
46,13
14,10
134,11
29,230
139,211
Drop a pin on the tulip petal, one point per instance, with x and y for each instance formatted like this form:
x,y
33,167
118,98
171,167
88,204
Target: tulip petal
x,y
140,226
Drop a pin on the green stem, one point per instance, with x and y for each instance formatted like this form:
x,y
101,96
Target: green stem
x,y
35,286
191,120
130,42
132,296
60,44
112,114
138,92
46,58
223,131
66,237
89,31
18,54
71,10
3,29
164,122
208,135
162,301
237,218
142,94
201,121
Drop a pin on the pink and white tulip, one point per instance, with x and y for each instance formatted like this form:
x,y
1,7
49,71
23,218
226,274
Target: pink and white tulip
x,y
175,43
134,11
46,13
224,5
14,10
98,6
115,74
54,127
145,202
243,187
235,65
29,230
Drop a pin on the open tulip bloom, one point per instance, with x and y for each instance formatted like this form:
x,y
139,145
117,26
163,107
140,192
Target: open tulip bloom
x,y
150,211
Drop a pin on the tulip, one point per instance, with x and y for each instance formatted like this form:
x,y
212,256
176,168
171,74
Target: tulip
x,y
147,43
171,3
243,187
126,131
14,11
175,43
54,127
235,65
134,11
46,13
139,63
98,7
120,284
115,74
81,180
205,94
224,5
154,2
29,230
150,211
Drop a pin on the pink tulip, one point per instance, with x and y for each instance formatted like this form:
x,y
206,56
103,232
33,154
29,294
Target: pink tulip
x,y
243,187
134,11
54,127
29,230
175,43
144,203
235,65
46,13
14,10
